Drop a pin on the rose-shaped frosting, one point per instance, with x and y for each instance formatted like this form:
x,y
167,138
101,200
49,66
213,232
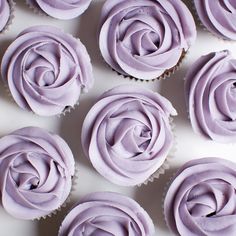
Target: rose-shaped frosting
x,y
127,134
211,96
61,9
46,70
218,16
107,214
36,172
4,13
201,200
145,38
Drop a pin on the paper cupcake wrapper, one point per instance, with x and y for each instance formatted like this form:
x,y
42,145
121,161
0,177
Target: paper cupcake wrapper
x,y
11,17
36,9
205,29
166,188
166,164
8,93
69,198
165,75
68,109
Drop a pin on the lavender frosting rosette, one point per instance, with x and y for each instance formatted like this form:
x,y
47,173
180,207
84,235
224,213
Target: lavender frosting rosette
x,y
218,16
36,172
107,213
4,13
201,199
46,70
211,96
61,9
127,134
147,38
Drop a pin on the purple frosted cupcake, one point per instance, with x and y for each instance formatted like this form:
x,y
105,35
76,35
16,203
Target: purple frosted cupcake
x,y
218,16
211,96
145,39
106,213
201,199
46,70
127,134
61,9
5,12
36,172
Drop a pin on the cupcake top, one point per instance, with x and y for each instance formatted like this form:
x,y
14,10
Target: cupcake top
x,y
61,9
106,213
146,38
127,134
218,16
201,199
46,70
4,13
211,96
36,172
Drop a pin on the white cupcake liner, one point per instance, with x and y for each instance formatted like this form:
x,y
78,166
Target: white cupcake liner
x,y
166,164
166,188
11,17
69,198
8,92
205,29
68,110
165,75
36,9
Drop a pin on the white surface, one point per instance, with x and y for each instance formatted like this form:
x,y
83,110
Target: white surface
x,y
189,146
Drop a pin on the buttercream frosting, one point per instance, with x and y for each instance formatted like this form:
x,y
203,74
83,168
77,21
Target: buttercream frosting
x,y
107,214
127,134
201,199
145,38
36,172
4,13
211,96
46,69
218,16
61,9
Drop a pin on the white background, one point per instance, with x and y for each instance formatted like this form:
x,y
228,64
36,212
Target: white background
x,y
190,145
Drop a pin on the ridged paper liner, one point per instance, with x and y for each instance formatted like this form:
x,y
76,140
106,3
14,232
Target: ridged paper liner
x,y
205,29
36,9
166,164
165,75
69,198
11,17
166,188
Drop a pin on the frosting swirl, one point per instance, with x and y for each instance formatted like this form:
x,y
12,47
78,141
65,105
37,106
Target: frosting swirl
x,y
218,16
127,134
145,38
36,170
201,199
4,13
61,9
211,96
46,70
106,213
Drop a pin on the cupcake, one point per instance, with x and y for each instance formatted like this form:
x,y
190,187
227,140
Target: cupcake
x,y
107,213
5,13
60,9
36,173
46,70
201,199
145,39
219,17
127,134
211,96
